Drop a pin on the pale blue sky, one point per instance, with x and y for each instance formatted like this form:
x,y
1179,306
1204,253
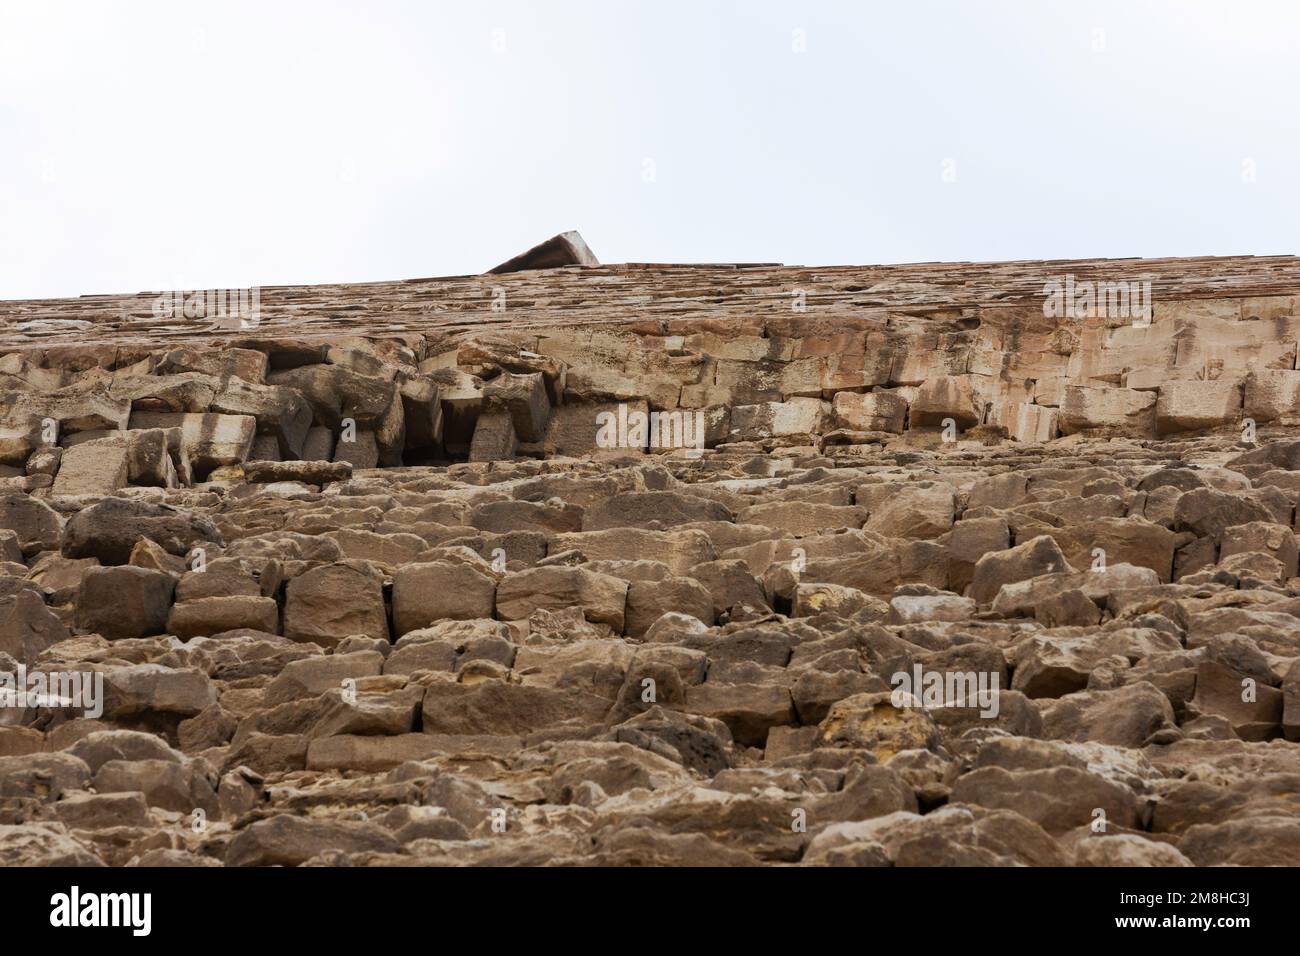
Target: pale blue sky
x,y
182,145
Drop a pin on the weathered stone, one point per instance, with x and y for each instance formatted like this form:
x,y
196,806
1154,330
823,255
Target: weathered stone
x,y
285,840
1033,423
357,450
748,710
1129,850
494,437
1192,405
328,604
1022,598
124,602
179,787
92,468
799,416
1035,557
601,597
661,509
37,525
951,836
144,689
36,846
281,413
312,676
647,601
947,397
204,617
914,511
110,529
210,441
524,399
426,593
27,627
1209,512
913,609
1057,799
1253,709
245,364
1274,539
498,708
422,411
1271,394
1127,717
1118,410
870,411
874,722
318,446
969,540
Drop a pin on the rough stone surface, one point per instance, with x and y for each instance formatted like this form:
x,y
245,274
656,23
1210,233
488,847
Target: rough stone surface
x,y
632,570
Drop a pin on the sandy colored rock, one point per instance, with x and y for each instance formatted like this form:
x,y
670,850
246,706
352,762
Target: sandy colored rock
x,y
328,604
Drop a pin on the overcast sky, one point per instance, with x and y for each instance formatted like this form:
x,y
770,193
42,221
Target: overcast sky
x,y
180,145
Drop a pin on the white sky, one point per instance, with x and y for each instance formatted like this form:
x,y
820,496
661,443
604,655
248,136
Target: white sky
x,y
185,145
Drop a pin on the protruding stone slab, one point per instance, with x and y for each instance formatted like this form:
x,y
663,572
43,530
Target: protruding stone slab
x,y
494,437
362,451
92,468
211,441
524,397
566,249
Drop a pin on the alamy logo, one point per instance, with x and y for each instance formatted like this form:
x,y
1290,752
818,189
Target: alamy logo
x,y
232,309
75,690
636,429
1069,299
932,689
75,909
